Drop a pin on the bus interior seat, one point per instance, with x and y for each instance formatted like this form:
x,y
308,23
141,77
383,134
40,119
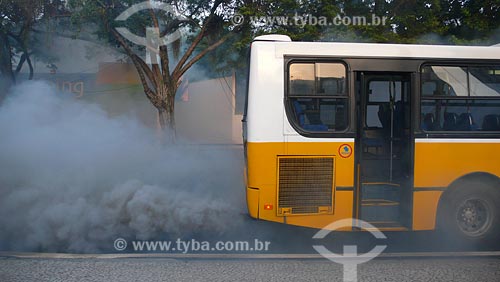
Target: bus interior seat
x,y
340,118
465,122
491,122
301,117
384,115
429,122
398,118
450,121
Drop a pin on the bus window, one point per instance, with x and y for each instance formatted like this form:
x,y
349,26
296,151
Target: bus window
x,y
301,79
449,81
461,115
330,79
317,96
377,107
477,108
484,81
429,88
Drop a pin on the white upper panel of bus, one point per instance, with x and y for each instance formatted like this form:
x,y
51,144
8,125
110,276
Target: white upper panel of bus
x,y
377,50
266,119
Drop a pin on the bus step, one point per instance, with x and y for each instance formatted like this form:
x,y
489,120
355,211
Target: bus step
x,y
388,226
380,190
379,210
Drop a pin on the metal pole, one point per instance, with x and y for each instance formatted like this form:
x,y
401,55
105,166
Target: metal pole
x,y
392,91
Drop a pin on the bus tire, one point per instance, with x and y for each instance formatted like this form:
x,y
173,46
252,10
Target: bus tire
x,y
471,214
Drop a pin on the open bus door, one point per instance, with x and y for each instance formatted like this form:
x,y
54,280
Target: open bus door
x,y
384,145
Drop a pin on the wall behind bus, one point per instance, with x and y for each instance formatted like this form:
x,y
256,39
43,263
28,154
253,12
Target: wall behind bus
x,y
204,110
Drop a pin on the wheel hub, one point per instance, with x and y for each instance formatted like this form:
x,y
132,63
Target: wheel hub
x,y
473,217
469,215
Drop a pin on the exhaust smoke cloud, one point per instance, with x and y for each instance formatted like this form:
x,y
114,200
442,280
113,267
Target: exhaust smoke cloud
x,y
73,179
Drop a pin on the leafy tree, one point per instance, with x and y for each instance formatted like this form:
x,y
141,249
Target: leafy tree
x,y
17,18
429,21
408,21
206,24
469,21
19,44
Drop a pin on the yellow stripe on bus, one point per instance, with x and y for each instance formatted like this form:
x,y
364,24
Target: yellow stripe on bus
x,y
439,164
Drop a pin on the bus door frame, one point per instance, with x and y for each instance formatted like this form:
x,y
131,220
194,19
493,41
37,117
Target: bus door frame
x,y
360,116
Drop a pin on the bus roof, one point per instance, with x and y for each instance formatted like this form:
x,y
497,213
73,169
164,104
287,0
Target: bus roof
x,y
283,46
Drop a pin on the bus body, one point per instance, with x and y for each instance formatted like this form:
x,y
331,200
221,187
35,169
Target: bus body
x,y
401,136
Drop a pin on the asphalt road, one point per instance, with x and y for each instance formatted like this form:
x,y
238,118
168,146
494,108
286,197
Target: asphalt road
x,y
293,239
474,269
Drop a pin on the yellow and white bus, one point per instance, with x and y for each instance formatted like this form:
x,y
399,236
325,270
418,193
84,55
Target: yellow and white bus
x,y
406,137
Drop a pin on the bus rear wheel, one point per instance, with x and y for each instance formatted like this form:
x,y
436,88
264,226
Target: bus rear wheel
x,y
472,214
474,217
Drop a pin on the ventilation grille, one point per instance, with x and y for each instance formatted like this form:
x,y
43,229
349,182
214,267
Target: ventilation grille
x,y
305,185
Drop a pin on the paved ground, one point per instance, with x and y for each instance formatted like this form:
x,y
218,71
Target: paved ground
x,y
474,269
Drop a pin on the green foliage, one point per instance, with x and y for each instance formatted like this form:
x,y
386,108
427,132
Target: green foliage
x,y
408,21
18,42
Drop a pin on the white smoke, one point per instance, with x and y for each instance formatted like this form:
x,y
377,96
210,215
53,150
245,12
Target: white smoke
x,y
74,179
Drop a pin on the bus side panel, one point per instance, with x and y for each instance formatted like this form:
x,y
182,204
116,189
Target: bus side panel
x,y
261,162
262,181
425,204
439,162
344,167
253,202
269,136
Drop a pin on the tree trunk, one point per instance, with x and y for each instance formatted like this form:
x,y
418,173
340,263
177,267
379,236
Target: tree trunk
x,y
6,60
166,116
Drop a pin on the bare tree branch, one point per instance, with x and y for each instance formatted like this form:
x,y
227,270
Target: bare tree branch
x,y
163,50
203,53
141,67
165,68
25,57
30,65
176,24
176,73
20,64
